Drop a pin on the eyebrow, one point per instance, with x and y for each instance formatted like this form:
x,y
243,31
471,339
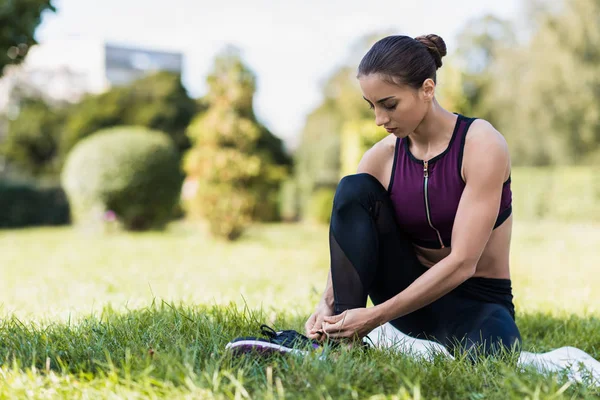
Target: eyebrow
x,y
381,100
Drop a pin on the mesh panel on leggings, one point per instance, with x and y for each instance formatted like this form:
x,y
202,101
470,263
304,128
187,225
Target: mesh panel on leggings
x,y
348,290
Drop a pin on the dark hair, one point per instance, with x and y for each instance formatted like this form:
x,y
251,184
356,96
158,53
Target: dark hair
x,y
405,60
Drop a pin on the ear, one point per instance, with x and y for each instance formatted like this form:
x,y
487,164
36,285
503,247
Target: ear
x,y
428,89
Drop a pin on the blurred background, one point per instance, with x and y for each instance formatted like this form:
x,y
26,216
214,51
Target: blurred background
x,y
190,149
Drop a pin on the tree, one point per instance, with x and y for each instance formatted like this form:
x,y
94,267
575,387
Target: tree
x,y
233,160
317,159
450,90
552,108
18,20
479,45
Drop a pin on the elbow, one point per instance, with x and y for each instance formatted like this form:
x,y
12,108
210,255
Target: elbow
x,y
465,266
468,271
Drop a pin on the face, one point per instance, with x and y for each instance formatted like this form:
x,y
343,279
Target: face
x,y
398,108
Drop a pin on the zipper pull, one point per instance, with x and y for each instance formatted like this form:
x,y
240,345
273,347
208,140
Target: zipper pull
x,y
425,169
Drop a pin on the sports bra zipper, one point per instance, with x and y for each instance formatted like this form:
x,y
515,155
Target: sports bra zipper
x,y
425,182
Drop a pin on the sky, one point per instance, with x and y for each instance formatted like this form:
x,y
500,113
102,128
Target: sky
x,y
292,46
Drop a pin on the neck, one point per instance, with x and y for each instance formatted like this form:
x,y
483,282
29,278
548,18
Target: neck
x,y
436,128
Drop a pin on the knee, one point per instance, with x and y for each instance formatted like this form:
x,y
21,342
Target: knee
x,y
360,188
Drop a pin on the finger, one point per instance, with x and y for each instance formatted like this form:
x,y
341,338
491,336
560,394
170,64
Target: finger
x,y
334,318
315,336
308,327
310,323
340,334
317,326
331,328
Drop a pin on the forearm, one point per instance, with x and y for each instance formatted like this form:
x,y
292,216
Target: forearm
x,y
433,284
328,298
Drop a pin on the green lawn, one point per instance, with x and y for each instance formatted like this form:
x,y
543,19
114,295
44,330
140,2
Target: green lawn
x,y
148,315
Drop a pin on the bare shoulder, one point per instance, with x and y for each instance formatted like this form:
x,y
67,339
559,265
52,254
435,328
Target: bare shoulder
x,y
378,159
485,144
483,133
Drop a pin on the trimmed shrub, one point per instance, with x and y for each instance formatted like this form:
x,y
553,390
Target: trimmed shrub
x,y
23,205
132,173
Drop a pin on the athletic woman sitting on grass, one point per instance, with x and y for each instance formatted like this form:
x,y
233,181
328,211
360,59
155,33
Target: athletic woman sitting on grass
x,y
424,227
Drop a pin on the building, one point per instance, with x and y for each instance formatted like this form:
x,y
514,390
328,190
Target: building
x,y
125,64
64,70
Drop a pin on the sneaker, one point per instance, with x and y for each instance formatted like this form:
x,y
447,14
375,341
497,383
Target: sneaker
x,y
283,342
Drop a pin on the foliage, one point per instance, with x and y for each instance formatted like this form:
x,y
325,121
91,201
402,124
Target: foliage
x,y
33,137
288,200
318,157
23,205
42,134
480,44
358,136
19,20
320,206
236,162
132,172
158,101
542,92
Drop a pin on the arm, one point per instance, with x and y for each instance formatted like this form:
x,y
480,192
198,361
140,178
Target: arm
x,y
327,298
485,163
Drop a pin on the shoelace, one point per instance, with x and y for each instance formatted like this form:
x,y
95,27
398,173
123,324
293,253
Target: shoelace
x,y
286,337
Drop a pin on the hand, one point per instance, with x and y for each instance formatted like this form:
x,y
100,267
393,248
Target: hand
x,y
354,323
314,325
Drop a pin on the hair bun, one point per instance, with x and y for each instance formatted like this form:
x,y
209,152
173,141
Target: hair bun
x,y
435,45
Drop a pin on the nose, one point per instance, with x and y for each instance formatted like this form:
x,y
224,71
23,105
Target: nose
x,y
381,118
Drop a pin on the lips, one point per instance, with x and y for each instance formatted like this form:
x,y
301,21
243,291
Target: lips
x,y
390,130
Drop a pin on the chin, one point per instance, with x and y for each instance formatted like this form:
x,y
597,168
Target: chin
x,y
401,134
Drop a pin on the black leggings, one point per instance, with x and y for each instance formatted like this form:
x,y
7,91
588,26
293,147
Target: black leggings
x,y
371,257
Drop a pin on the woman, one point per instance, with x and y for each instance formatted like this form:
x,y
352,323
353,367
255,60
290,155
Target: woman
x,y
424,227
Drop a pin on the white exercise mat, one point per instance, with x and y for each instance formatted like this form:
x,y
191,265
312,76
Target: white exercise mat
x,y
575,362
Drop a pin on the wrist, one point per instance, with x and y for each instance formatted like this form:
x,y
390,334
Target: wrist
x,y
380,315
327,301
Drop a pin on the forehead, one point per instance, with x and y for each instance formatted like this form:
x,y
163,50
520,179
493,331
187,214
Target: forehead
x,y
375,87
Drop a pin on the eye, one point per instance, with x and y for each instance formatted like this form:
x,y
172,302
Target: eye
x,y
390,108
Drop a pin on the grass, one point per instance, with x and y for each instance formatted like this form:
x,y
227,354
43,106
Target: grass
x,y
148,316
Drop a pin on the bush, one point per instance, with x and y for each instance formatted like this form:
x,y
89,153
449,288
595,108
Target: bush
x,y
321,204
23,205
131,171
